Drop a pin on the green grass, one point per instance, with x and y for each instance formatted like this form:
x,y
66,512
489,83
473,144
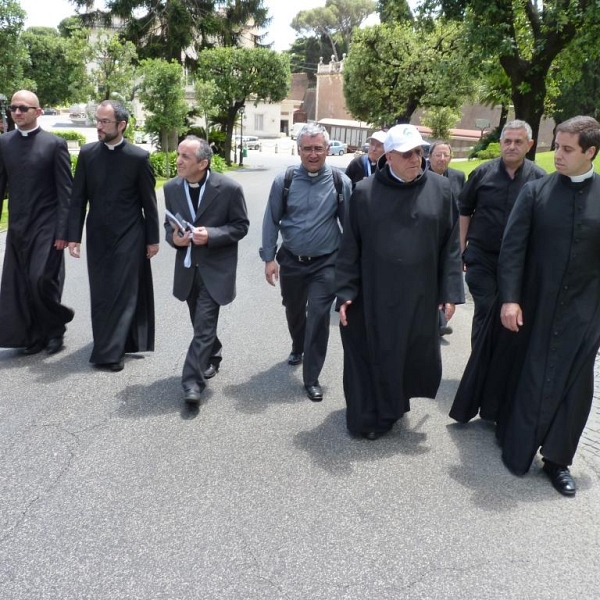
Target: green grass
x,y
543,159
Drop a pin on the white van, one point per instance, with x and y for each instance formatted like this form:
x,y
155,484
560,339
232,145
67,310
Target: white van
x,y
296,127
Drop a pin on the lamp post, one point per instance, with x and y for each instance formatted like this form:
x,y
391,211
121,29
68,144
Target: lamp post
x,y
241,111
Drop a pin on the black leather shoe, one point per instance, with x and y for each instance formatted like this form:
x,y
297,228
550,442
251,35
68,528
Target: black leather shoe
x,y
116,367
211,371
445,330
314,392
55,345
372,435
561,478
295,359
192,396
33,349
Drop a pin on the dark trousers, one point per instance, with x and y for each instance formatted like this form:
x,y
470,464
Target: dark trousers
x,y
205,347
481,277
308,291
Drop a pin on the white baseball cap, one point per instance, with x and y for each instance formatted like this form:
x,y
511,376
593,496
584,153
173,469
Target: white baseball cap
x,y
378,136
403,138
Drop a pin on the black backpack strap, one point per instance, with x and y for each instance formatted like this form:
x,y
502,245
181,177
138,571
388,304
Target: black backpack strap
x,y
287,182
337,182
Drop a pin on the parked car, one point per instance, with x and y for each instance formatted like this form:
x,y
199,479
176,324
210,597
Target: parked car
x,y
51,111
251,142
338,148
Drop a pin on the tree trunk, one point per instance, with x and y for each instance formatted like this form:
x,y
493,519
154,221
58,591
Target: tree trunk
x,y
529,106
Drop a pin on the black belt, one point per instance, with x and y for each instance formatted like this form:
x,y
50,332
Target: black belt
x,y
303,259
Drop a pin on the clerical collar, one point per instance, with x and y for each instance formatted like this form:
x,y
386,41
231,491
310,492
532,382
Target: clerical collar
x,y
580,178
198,184
26,133
113,146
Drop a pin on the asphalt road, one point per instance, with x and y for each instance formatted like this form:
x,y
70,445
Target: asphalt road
x,y
111,489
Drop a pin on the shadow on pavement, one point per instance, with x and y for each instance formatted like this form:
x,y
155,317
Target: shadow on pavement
x,y
332,449
280,384
161,397
494,488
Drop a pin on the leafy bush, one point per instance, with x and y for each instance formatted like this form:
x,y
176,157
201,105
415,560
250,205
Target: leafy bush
x,y
492,151
71,135
484,142
218,164
73,162
157,160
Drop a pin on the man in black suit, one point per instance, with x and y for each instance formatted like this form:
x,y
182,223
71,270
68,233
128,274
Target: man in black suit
x,y
440,155
214,211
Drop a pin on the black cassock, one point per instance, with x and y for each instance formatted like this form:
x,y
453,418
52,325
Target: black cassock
x,y
538,383
37,171
122,220
399,258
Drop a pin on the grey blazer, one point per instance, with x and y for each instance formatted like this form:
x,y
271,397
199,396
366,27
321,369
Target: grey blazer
x,y
223,213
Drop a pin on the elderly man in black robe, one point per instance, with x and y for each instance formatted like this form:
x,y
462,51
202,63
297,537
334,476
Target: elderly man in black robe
x,y
532,372
399,260
36,168
117,180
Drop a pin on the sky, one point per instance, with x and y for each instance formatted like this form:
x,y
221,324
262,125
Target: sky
x,y
49,13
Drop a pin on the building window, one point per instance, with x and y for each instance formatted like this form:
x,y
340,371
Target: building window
x,y
259,122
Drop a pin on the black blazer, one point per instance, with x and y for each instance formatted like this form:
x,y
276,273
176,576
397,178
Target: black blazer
x,y
223,213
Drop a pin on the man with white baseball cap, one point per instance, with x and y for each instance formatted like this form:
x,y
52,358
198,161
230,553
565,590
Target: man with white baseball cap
x,y
399,259
366,164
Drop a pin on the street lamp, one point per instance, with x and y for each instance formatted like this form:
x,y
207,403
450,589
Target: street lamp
x,y
241,111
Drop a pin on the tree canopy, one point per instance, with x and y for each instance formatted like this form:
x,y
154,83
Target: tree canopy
x,y
335,21
239,75
394,11
393,69
180,29
12,52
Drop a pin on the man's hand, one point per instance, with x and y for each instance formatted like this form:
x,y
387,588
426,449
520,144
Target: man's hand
x,y
449,310
60,244
271,272
200,236
151,250
343,316
511,316
75,249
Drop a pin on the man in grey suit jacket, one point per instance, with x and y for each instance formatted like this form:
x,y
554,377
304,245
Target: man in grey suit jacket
x,y
212,216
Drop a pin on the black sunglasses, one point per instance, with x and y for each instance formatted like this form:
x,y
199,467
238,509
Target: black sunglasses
x,y
21,107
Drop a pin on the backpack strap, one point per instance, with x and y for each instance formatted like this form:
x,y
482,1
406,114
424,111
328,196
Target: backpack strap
x,y
287,183
365,162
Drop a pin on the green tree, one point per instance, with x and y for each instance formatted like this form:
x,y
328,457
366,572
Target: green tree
x,y
440,119
13,54
163,96
393,69
170,29
394,11
335,21
525,37
242,74
114,66
56,64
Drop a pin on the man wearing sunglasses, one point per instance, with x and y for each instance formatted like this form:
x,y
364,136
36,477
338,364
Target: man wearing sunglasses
x,y
36,169
398,261
117,181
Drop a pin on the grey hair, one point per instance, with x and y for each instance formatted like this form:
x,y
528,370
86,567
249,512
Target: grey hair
x,y
204,151
311,130
518,124
121,113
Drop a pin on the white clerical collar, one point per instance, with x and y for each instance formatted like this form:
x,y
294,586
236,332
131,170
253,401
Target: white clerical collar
x,y
26,133
580,178
113,146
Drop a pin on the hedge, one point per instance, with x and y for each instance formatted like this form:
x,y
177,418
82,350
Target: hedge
x,y
71,135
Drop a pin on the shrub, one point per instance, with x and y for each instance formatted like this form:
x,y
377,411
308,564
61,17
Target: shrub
x,y
73,162
484,142
157,160
71,135
492,151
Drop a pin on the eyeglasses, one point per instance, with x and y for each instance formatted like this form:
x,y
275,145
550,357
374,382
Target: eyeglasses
x,y
409,154
311,149
21,107
440,155
104,122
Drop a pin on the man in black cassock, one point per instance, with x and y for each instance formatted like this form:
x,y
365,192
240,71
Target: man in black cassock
x,y
36,168
533,369
399,260
122,230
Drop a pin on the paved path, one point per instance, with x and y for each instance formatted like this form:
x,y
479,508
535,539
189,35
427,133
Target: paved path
x,y
110,489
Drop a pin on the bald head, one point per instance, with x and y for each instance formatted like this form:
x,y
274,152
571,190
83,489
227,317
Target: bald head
x,y
25,110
